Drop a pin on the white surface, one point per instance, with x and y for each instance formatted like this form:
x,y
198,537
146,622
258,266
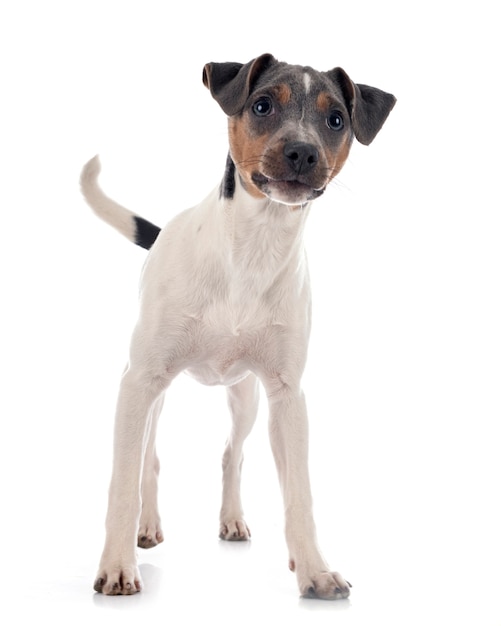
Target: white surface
x,y
404,368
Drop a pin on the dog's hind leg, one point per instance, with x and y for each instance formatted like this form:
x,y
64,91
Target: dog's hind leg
x,y
243,399
150,530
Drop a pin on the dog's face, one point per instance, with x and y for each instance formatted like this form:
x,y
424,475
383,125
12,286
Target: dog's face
x,y
292,136
291,127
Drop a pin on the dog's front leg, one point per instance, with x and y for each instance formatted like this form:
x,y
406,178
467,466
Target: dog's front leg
x,y
289,440
118,572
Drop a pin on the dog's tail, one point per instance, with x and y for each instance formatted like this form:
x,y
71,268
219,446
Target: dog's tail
x,y
135,228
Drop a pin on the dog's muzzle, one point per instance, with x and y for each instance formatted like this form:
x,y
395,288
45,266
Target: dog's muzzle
x,y
293,177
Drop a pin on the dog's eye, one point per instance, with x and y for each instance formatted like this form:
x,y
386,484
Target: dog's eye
x,y
262,107
335,121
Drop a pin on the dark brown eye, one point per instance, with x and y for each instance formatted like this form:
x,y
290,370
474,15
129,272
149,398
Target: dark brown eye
x,y
262,107
335,121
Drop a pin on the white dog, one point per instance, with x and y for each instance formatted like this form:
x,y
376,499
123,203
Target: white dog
x,y
226,297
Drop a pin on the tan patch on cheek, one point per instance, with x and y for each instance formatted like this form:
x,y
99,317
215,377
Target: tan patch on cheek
x,y
338,159
247,152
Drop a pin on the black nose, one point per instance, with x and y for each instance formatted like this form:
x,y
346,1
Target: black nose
x,y
302,157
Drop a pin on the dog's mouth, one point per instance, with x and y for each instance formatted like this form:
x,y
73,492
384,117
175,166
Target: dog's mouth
x,y
286,191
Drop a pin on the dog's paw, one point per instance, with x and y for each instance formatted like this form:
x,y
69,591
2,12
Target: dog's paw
x,y
149,535
326,586
235,530
118,581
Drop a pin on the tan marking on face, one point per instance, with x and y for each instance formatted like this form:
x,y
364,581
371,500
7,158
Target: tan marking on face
x,y
282,93
246,152
337,159
323,102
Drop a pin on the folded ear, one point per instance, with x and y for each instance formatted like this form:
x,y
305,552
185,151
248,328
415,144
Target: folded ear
x,y
369,107
231,83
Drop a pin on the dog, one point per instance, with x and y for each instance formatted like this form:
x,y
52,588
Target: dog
x,y
225,296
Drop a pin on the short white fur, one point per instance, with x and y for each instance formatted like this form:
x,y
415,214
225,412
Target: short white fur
x,y
225,296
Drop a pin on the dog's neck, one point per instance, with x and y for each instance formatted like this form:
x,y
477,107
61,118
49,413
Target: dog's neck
x,y
266,236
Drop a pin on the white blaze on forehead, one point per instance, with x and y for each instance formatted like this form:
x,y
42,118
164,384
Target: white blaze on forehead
x,y
307,81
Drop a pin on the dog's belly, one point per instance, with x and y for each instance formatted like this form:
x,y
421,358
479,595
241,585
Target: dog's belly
x,y
225,364
219,370
207,374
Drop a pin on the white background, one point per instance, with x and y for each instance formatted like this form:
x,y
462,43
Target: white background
x,y
404,369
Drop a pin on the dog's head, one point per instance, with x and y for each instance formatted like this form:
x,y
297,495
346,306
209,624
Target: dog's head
x,y
291,127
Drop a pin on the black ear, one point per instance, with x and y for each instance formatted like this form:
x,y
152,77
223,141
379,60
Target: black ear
x,y
369,107
231,83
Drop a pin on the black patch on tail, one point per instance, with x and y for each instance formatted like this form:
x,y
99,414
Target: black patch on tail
x,y
227,189
146,233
